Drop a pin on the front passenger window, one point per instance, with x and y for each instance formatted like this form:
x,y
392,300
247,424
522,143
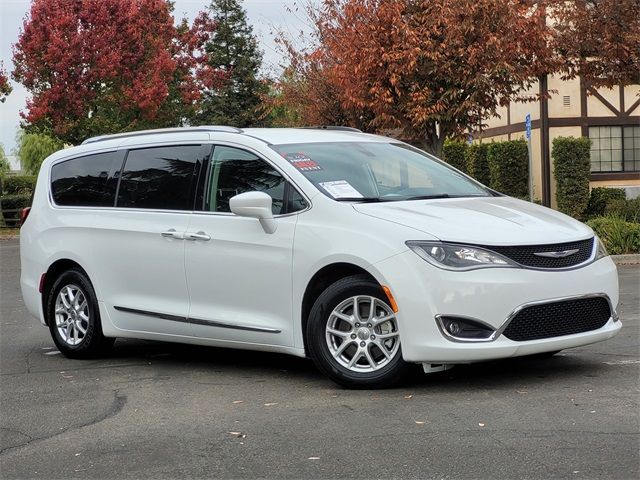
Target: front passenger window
x,y
234,171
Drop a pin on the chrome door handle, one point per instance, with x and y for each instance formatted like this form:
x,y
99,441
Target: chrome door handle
x,y
197,236
171,233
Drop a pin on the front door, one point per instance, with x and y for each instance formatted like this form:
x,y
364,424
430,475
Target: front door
x,y
239,276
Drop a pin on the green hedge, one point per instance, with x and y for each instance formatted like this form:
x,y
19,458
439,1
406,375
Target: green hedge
x,y
618,235
19,185
453,152
12,202
599,199
509,167
628,210
571,169
477,162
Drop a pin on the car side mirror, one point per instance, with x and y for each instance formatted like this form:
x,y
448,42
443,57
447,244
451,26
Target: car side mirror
x,y
256,205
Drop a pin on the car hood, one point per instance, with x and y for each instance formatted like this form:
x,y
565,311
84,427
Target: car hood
x,y
481,220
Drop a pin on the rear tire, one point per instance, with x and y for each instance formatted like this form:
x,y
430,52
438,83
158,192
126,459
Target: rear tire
x,y
353,337
74,317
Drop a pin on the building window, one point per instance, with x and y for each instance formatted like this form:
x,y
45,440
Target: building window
x,y
615,149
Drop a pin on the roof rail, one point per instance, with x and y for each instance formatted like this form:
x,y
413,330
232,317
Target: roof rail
x,y
333,127
158,131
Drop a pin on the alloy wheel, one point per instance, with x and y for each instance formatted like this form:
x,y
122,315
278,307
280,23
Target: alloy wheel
x,y
72,314
362,334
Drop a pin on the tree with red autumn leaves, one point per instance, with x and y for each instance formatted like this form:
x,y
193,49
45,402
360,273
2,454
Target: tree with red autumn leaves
x,y
598,40
95,66
432,69
429,68
5,87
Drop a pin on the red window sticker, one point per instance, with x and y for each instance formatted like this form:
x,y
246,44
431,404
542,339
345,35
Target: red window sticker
x,y
302,162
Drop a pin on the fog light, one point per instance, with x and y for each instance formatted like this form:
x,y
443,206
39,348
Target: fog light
x,y
464,329
453,328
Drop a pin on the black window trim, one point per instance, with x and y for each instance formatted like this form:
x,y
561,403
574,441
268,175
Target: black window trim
x,y
289,183
200,182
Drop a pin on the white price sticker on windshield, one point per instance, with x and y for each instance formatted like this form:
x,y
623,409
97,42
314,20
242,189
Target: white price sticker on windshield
x,y
340,189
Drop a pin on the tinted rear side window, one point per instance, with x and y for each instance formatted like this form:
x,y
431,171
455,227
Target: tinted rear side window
x,y
161,177
86,181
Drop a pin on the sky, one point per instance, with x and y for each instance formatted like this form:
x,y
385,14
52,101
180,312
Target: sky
x,y
266,17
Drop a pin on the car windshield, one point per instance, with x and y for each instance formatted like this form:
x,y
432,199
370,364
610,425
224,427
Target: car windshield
x,y
375,172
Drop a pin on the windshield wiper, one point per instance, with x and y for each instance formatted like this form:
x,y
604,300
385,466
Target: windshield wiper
x,y
429,197
359,199
441,195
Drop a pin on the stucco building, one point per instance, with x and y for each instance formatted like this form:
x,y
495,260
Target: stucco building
x,y
610,117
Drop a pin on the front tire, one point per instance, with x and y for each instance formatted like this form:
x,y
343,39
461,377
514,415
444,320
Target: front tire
x,y
353,336
74,317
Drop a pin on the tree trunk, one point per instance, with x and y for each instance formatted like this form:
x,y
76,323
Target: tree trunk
x,y
433,143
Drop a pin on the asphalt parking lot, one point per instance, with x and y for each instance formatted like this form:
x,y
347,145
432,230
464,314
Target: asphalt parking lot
x,y
154,410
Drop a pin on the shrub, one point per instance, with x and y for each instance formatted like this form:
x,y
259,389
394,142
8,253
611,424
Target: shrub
x,y
618,235
477,163
13,202
509,167
628,210
453,152
19,184
571,169
599,199
4,162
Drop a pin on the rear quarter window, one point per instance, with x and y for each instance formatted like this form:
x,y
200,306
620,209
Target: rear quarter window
x,y
87,181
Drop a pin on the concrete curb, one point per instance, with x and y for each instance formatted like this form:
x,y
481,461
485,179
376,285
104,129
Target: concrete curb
x,y
631,259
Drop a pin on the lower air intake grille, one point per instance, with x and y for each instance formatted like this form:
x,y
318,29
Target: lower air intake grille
x,y
556,319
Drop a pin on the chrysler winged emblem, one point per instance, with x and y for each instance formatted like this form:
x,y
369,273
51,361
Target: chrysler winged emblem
x,y
562,254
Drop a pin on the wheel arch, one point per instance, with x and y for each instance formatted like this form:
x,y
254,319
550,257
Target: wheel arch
x,y
324,277
53,272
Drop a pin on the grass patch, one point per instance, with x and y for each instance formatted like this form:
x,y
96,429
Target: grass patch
x,y
7,233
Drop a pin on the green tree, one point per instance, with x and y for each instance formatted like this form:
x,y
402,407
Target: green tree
x,y
33,148
4,162
233,49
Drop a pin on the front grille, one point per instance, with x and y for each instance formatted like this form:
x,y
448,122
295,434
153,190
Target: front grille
x,y
525,255
566,317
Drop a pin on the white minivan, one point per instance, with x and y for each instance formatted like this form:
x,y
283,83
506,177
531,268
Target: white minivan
x,y
359,251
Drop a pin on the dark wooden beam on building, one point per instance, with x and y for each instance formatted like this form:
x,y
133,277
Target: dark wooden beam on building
x,y
544,140
594,177
509,119
604,101
583,108
631,109
583,122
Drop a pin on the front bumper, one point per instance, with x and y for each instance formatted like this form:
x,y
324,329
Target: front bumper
x,y
490,295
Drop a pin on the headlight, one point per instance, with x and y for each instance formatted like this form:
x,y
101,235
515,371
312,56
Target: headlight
x,y
451,256
601,251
